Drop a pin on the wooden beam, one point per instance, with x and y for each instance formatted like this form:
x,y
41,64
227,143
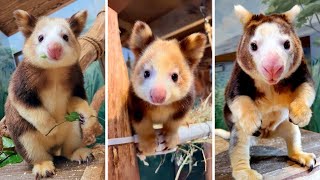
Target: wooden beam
x,y
178,18
37,8
179,33
122,160
226,57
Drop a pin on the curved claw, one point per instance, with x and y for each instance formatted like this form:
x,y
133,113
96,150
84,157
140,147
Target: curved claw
x,y
49,174
38,176
311,168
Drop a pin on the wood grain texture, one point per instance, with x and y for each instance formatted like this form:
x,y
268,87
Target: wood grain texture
x,y
122,161
269,157
37,8
208,153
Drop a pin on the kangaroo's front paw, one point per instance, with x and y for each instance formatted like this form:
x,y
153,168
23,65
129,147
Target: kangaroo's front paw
x,y
246,174
88,137
250,123
43,169
300,114
171,140
82,155
147,145
304,159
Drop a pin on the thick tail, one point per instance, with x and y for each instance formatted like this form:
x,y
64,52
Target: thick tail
x,y
222,133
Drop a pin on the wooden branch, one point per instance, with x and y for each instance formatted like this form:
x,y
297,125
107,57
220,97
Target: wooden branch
x,y
92,43
98,98
3,128
122,161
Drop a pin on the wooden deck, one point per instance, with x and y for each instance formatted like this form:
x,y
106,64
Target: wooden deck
x,y
269,157
65,170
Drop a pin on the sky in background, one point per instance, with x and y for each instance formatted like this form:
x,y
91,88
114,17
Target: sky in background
x,y
92,6
227,24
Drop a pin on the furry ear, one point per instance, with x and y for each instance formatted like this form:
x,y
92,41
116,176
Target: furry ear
x,y
243,14
292,13
77,22
193,48
25,22
140,38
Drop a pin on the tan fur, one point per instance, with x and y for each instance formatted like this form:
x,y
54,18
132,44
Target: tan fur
x,y
164,57
243,14
91,127
246,114
147,136
240,158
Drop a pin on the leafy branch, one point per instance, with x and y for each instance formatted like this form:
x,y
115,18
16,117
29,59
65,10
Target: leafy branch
x,y
73,116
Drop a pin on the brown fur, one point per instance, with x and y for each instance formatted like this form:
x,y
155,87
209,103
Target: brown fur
x,y
41,93
254,107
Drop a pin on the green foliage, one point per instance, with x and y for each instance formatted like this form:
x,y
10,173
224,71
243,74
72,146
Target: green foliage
x,y
43,56
7,67
73,116
8,155
310,9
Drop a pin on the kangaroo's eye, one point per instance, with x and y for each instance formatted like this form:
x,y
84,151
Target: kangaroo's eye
x,y
146,74
254,46
40,38
174,77
65,37
286,45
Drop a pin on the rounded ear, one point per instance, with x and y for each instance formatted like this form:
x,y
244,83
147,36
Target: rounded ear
x,y
78,21
292,13
25,22
193,48
242,13
140,38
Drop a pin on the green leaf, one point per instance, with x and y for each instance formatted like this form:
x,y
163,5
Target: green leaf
x,y
73,116
10,157
7,142
43,56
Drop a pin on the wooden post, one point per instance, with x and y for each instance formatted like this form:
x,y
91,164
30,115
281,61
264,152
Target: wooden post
x,y
122,160
208,154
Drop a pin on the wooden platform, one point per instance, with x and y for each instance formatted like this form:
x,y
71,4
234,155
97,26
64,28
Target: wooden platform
x,y
65,170
269,157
